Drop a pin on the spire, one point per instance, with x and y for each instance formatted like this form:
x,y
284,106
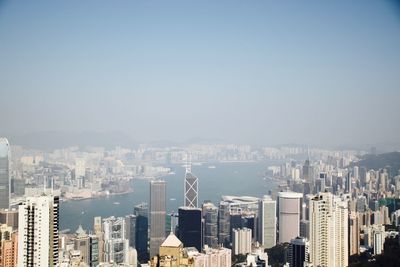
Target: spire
x,y
188,162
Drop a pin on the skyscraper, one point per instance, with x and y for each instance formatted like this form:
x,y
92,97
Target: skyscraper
x,y
116,244
191,189
98,231
298,252
210,216
4,174
241,241
289,215
328,231
224,225
130,221
157,215
190,227
142,223
354,231
267,222
38,232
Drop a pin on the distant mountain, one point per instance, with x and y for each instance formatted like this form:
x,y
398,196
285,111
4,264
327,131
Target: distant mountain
x,y
50,140
386,160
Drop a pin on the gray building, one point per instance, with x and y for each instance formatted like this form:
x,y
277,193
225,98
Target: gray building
x,y
130,221
210,215
157,215
4,174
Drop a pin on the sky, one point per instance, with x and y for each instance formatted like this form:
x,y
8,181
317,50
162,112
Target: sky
x,y
255,72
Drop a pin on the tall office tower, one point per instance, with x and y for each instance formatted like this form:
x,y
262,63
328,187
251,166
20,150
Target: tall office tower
x,y
308,173
305,228
210,216
116,244
157,215
363,176
267,222
8,246
38,232
98,231
289,215
93,251
348,183
356,173
328,231
4,174
191,188
298,252
354,231
241,241
383,180
130,221
142,235
190,227
224,225
319,185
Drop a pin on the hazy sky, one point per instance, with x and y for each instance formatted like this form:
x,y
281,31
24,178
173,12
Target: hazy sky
x,y
265,72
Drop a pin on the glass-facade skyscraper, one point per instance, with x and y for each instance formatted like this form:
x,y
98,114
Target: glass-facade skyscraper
x,y
4,173
190,227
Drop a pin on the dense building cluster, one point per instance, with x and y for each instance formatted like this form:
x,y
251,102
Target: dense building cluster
x,y
326,209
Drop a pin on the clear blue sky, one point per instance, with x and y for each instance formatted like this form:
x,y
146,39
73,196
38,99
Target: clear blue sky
x,y
265,72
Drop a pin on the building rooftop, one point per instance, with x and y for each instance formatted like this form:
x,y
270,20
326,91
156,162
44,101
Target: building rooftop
x,y
171,241
290,195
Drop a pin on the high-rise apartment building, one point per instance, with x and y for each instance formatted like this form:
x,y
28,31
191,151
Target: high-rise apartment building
x,y
38,231
267,222
289,215
4,174
8,246
191,189
328,231
354,231
157,215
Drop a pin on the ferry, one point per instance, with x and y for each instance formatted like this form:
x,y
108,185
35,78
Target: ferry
x,y
116,203
212,167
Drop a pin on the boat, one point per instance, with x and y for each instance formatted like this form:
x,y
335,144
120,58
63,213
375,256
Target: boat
x,y
116,203
172,199
212,167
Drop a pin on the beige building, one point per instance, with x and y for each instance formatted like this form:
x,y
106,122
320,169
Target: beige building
x,y
172,254
8,246
289,215
354,225
328,231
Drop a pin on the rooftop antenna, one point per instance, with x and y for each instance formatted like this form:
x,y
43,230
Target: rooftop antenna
x,y
188,162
